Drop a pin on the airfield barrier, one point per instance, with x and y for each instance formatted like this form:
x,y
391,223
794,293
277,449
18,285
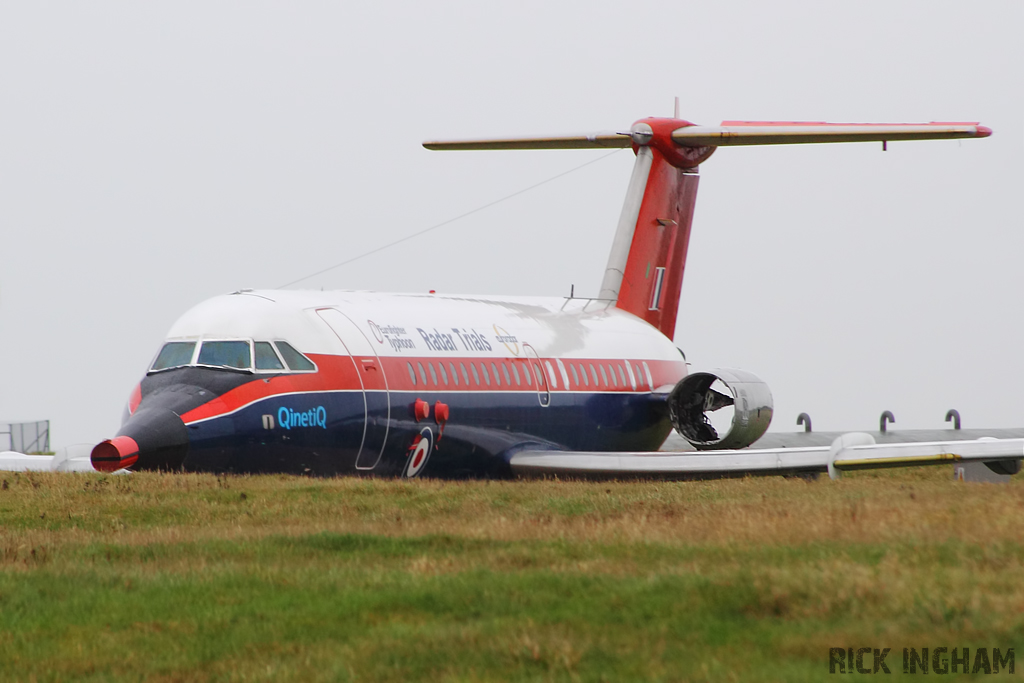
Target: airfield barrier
x,y
27,437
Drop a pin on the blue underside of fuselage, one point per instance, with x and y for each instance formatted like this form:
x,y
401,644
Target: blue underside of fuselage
x,y
484,430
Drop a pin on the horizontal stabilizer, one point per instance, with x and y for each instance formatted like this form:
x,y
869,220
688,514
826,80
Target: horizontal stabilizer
x,y
598,141
735,133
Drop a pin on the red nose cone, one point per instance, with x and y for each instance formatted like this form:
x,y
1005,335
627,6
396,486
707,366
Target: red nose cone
x,y
115,454
983,132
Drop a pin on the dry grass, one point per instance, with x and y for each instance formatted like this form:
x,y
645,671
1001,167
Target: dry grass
x,y
923,507
753,578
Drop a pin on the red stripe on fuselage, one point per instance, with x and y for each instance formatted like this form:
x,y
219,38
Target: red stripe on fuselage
x,y
333,373
342,373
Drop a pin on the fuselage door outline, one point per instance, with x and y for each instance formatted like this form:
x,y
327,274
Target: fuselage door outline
x,y
532,361
366,459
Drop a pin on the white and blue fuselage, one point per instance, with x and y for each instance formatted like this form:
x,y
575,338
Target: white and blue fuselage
x,y
398,384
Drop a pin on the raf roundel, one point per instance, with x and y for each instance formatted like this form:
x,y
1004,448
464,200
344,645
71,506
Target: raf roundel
x,y
420,451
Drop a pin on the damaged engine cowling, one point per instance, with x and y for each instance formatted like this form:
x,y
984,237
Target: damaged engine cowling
x,y
694,397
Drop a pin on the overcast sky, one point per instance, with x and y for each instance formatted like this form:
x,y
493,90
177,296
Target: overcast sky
x,y
153,155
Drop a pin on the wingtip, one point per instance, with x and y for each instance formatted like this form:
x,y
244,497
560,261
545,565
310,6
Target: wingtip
x,y
983,132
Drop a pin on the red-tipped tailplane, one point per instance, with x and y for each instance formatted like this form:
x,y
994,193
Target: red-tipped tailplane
x,y
644,274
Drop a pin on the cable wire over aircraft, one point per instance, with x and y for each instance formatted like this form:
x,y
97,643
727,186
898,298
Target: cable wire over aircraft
x,y
454,386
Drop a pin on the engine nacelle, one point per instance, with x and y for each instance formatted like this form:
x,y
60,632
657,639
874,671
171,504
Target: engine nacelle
x,y
693,397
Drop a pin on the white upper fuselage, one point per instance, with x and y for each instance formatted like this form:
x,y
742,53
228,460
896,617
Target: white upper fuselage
x,y
336,382
430,325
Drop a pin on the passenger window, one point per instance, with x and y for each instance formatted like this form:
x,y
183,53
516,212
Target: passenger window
x,y
174,355
423,374
497,377
539,374
526,374
647,373
504,369
266,359
593,372
611,371
455,375
483,369
465,375
622,375
412,374
632,377
561,371
476,375
294,359
604,376
225,354
639,375
444,375
515,373
551,374
433,374
575,377
583,373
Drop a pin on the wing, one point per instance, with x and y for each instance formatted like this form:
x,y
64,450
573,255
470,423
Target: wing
x,y
850,452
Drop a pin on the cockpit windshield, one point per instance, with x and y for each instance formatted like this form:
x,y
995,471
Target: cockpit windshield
x,y
226,354
233,354
174,355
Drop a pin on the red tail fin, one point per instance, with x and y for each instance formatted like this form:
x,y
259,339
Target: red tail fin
x,y
653,275
645,268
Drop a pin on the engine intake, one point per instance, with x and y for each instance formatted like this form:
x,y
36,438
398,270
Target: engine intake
x,y
693,398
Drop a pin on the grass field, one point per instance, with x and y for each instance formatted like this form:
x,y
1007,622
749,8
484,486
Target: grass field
x,y
197,577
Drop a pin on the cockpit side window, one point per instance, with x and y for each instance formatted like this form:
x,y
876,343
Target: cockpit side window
x,y
294,359
266,358
174,355
225,354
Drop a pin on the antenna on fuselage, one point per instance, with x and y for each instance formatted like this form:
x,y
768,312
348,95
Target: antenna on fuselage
x,y
675,112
